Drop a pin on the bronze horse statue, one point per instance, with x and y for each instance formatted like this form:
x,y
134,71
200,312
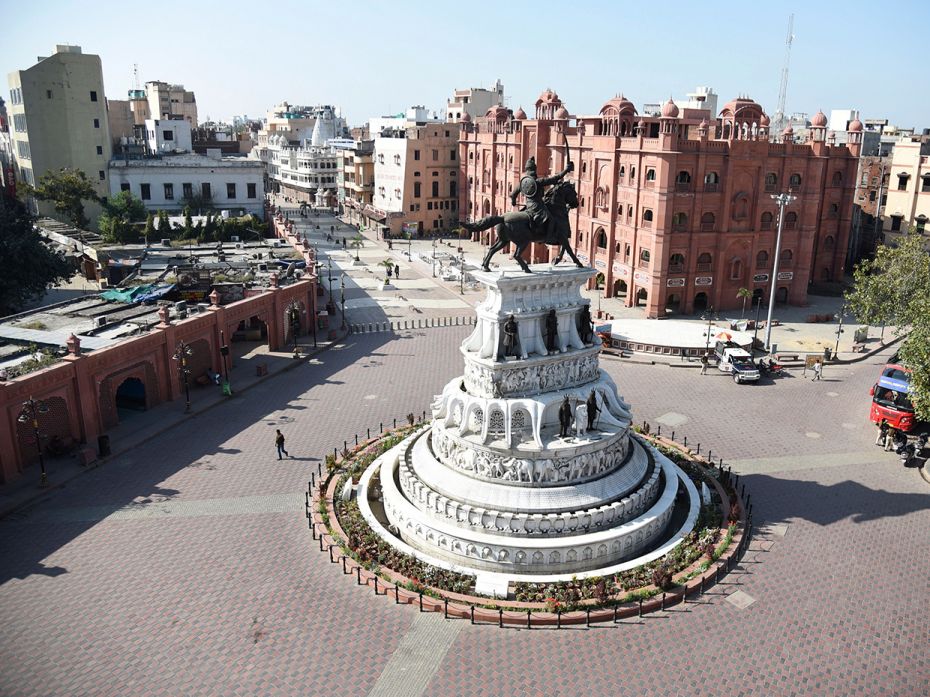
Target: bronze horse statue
x,y
516,227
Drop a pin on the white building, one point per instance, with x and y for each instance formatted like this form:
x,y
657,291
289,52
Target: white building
x,y
417,115
474,101
168,135
299,147
701,98
841,118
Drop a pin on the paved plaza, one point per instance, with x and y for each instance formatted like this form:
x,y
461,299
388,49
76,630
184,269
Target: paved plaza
x,y
185,567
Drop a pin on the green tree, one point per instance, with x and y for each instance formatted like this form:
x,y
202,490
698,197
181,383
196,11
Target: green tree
x,y
197,202
67,189
116,223
164,227
188,222
743,294
894,288
356,243
32,266
388,265
149,230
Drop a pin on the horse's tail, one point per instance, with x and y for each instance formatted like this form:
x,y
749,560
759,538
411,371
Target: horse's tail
x,y
484,223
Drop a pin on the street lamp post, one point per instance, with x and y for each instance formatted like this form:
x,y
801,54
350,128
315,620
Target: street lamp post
x,y
342,298
462,272
181,354
755,333
710,316
781,200
839,330
434,257
224,352
293,314
30,413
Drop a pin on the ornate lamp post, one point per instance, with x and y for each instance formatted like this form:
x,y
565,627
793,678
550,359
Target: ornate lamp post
x,y
293,314
782,200
181,354
30,413
710,316
462,272
224,352
342,298
839,330
434,257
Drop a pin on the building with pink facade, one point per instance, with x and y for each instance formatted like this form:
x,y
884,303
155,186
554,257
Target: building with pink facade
x,y
675,209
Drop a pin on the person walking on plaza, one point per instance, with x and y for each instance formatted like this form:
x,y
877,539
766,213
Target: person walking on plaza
x,y
279,443
882,433
818,371
704,362
396,271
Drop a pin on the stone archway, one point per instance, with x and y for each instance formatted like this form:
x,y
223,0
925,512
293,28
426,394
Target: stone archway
x,y
130,396
700,302
642,297
781,296
620,288
144,372
673,302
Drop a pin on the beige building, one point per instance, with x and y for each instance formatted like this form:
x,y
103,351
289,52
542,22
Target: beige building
x,y
908,201
58,116
474,101
416,179
358,183
167,101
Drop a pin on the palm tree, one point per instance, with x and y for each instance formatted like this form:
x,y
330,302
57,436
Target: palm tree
x,y
743,294
388,264
356,244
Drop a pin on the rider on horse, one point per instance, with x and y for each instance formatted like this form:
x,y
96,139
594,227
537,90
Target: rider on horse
x,y
533,189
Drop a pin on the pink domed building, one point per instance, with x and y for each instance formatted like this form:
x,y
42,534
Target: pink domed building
x,y
675,210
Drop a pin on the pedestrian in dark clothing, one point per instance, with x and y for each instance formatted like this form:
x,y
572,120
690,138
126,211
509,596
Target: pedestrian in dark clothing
x,y
396,271
279,442
882,433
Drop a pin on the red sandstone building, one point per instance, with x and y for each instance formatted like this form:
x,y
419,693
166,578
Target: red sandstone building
x,y
676,211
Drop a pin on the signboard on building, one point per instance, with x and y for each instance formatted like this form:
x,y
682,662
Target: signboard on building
x,y
410,228
600,264
704,281
675,283
785,275
760,278
622,271
583,257
641,277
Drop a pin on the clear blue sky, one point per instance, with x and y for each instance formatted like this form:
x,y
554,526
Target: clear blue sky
x,y
374,58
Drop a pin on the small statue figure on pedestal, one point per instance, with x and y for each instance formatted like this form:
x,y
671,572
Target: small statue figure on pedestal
x,y
585,325
593,410
581,419
552,331
565,417
511,337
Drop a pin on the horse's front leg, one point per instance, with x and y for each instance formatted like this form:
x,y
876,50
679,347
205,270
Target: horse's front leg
x,y
566,247
518,256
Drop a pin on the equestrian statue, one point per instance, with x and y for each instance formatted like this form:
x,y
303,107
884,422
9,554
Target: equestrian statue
x,y
544,217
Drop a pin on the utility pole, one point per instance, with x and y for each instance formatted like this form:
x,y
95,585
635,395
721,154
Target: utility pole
x,y
779,121
781,200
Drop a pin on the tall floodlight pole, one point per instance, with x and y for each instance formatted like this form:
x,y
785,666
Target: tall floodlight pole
x,y
781,200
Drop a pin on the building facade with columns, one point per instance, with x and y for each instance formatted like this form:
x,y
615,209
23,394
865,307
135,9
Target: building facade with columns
x,y
676,211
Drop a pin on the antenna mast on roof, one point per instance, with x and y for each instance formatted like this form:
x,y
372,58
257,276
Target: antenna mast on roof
x,y
780,120
135,76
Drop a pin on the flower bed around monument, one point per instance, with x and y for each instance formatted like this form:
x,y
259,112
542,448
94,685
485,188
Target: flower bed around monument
x,y
676,572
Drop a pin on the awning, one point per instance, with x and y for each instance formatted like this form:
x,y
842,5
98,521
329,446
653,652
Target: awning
x,y
126,295
155,293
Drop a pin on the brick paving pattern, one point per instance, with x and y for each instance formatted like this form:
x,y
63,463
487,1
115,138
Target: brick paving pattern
x,y
185,566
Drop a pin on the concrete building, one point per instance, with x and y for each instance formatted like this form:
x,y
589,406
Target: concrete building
x,y
414,116
358,184
59,118
416,179
474,101
701,98
168,135
167,101
297,148
908,203
675,210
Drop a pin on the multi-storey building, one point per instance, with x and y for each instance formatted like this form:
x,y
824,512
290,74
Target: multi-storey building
x,y
908,203
871,195
676,211
167,101
416,179
474,101
59,120
358,183
297,147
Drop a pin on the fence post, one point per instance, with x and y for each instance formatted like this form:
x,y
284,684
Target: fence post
x,y
710,457
358,575
376,584
344,570
395,423
369,434
558,618
587,617
673,435
529,624
445,608
659,431
640,607
421,601
616,607
472,613
663,601
381,427
500,617
698,449
396,594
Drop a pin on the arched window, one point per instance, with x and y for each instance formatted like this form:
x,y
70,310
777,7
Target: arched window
x,y
767,221
771,181
794,181
707,221
676,263
711,182
629,212
644,257
837,178
834,210
621,172
632,172
600,197
828,242
650,175
762,260
736,269
680,221
787,257
704,262
684,177
584,167
601,238
471,156
791,220
647,217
